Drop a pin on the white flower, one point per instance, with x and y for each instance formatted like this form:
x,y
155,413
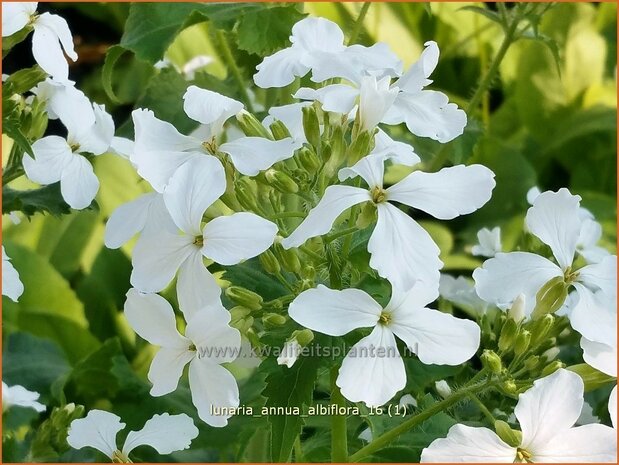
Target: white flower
x,y
165,433
427,113
555,221
546,413
90,130
226,240
50,32
603,357
318,45
461,292
290,353
407,400
12,286
160,149
208,342
401,250
489,242
19,395
292,117
373,370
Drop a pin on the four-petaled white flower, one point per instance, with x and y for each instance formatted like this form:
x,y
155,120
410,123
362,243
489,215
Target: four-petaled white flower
x,y
401,250
554,219
547,413
208,342
19,396
90,131
489,242
165,433
50,33
12,287
226,240
160,149
373,370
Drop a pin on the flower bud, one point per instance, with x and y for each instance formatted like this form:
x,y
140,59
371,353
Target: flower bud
x,y
250,125
303,336
550,297
288,258
361,146
541,328
552,367
281,181
311,125
516,312
308,159
239,313
532,362
491,361
269,262
551,354
246,194
274,319
245,297
442,388
509,386
279,130
507,434
508,335
522,342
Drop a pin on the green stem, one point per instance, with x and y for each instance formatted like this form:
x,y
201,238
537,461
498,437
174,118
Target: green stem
x,y
289,215
392,434
339,439
311,253
236,72
11,174
483,409
359,23
283,280
344,232
298,452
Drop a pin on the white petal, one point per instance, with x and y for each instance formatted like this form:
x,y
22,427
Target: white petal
x,y
594,315
600,356
46,49
421,294
67,103
280,69
122,147
98,430
554,219
97,138
401,250
212,387
196,286
375,98
60,27
208,107
532,194
399,152
550,408
428,113
52,156
165,433
417,75
503,278
338,98
156,259
451,192
461,292
437,338
334,312
194,187
20,397
78,183
602,275
251,155
292,116
15,16
489,242
317,34
373,370
167,368
152,318
211,333
228,240
12,286
612,406
467,444
320,219
588,443
127,220
371,168
290,353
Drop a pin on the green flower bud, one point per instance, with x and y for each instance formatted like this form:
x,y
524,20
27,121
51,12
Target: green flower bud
x,y
279,130
550,297
522,342
303,336
509,386
289,258
361,146
245,190
239,313
311,125
308,159
492,361
269,262
532,362
250,125
309,272
245,297
507,434
281,181
508,335
541,328
552,367
274,319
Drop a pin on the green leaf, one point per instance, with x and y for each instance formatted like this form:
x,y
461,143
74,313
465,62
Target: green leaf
x,y
491,15
250,275
25,79
592,378
11,120
264,31
46,199
111,57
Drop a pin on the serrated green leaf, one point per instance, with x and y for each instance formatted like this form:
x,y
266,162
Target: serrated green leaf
x,y
491,15
47,199
264,31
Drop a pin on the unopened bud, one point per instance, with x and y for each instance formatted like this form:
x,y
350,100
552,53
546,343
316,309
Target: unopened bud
x,y
508,335
507,434
550,297
442,388
532,362
309,272
274,319
281,181
516,312
309,160
522,342
509,386
239,313
279,130
361,146
289,258
269,262
250,125
311,125
541,328
551,354
244,297
246,193
303,336
492,361
552,367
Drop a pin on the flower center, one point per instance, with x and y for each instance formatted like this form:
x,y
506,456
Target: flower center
x,y
74,147
385,318
210,146
379,195
119,457
523,456
199,241
192,347
570,276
